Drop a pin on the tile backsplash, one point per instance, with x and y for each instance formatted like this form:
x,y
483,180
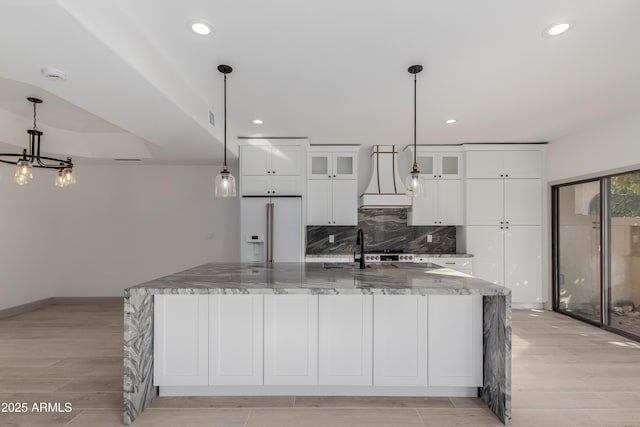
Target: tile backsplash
x,y
383,229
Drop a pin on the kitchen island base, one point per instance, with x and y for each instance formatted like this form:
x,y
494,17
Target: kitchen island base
x,y
208,280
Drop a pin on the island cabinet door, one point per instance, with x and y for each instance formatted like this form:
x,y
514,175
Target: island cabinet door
x,y
455,340
180,340
345,340
235,340
290,339
400,340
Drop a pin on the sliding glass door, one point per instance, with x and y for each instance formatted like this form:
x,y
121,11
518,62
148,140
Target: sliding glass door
x,y
578,250
624,210
596,250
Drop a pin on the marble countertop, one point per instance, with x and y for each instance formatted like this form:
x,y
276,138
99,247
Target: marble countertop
x,y
314,278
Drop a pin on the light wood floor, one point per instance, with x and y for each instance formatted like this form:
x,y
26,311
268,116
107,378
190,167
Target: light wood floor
x,y
565,373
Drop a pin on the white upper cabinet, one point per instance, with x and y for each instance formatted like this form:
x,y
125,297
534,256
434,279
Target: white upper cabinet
x,y
439,165
271,170
504,164
442,204
504,201
332,164
285,185
271,160
441,169
332,186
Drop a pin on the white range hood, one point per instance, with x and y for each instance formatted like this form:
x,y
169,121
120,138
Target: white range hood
x,y
386,189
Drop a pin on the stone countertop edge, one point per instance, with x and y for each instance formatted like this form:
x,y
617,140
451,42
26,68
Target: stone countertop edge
x,y
312,278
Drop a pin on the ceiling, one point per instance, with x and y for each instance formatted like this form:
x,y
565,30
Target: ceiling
x,y
140,84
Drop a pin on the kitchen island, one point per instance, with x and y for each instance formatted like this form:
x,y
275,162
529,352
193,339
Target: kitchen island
x,y
418,282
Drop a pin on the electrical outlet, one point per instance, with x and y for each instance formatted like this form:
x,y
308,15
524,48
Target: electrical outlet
x,y
332,238
429,238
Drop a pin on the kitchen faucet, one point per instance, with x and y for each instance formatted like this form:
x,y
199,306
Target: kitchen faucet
x,y
360,241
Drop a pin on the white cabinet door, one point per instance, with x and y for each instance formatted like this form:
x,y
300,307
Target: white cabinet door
x,y
449,165
440,165
455,340
484,164
522,201
344,165
486,243
319,165
319,202
344,201
400,340
427,164
504,164
449,202
286,160
290,339
523,269
288,185
235,339
523,164
345,340
256,185
485,202
255,160
180,340
423,209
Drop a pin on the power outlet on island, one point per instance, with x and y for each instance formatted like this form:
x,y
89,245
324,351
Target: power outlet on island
x,y
332,238
429,238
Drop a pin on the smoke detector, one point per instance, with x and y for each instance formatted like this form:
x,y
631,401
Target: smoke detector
x,y
54,74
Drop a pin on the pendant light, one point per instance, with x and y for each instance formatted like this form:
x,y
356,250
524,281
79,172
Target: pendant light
x,y
31,158
225,184
415,187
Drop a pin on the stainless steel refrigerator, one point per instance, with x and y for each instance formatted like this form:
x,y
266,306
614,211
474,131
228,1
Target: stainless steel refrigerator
x,y
271,229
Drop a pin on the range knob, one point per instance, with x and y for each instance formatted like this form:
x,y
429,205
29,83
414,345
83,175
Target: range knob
x,y
410,257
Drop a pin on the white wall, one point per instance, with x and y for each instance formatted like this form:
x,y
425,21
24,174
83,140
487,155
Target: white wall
x,y
117,227
27,236
603,147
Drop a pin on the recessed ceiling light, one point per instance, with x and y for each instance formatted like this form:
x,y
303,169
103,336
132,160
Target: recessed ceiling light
x,y
557,29
200,27
450,121
258,121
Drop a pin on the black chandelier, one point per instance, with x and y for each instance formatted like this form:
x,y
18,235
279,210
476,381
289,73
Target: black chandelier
x,y
31,158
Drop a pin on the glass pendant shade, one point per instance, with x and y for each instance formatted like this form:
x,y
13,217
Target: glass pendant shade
x,y
415,186
65,178
23,173
225,185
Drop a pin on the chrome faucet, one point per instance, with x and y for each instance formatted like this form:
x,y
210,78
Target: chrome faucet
x,y
360,242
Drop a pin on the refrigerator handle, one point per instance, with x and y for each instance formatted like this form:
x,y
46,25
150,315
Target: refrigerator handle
x,y
269,233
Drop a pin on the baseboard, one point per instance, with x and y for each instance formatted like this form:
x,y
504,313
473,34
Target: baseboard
x,y
86,300
24,308
35,305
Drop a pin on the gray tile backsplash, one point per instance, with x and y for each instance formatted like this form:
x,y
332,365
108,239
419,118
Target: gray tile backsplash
x,y
383,229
